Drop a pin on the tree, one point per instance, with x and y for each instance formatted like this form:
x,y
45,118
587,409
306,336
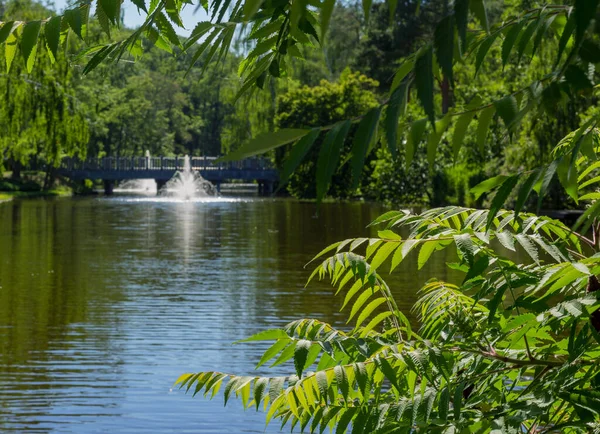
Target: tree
x,y
325,104
41,117
514,347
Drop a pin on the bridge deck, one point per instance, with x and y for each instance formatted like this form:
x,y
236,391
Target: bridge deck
x,y
163,169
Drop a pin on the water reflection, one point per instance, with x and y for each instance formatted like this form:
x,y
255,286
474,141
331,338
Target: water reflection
x,y
104,302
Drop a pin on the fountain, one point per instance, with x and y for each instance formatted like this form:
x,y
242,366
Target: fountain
x,y
188,184
137,186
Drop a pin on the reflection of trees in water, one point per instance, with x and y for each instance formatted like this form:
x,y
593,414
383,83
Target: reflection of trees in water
x,y
54,327
108,293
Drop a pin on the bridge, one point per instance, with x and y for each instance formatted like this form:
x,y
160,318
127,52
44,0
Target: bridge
x,y
114,169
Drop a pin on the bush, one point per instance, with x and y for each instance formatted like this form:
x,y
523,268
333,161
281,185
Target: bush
x,y
325,104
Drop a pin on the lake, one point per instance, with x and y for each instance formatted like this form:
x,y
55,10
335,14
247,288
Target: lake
x,y
104,302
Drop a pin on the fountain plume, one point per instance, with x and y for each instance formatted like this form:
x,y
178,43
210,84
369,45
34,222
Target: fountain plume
x,y
188,184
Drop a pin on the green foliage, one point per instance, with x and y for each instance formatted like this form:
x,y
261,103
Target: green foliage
x,y
530,361
40,116
514,346
326,104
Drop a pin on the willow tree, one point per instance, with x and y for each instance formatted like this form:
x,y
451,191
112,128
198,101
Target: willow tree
x,y
514,346
40,117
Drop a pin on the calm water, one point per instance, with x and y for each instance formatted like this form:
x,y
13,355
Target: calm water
x,y
105,302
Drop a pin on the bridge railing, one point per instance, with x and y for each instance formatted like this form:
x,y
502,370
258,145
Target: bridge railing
x,y
161,163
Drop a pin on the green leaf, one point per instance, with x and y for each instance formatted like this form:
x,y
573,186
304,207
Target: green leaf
x,y
29,40
444,45
366,4
457,402
383,253
329,157
414,138
485,119
172,8
306,26
544,182
585,11
52,35
99,57
297,154
342,380
585,220
326,11
300,354
285,355
259,390
426,251
6,29
487,185
361,300
251,7
434,139
500,198
444,404
73,18
507,240
401,73
140,5
507,109
392,4
365,135
272,351
529,247
567,175
387,370
460,131
484,48
276,388
374,322
478,267
200,30
296,12
10,49
577,78
518,321
158,40
565,37
265,335
166,29
525,190
322,384
583,399
509,41
461,13
367,311
111,9
545,23
396,107
478,9
424,82
265,142
466,247
527,36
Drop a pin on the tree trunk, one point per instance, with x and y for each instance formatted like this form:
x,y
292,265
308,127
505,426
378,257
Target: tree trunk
x,y
16,167
49,178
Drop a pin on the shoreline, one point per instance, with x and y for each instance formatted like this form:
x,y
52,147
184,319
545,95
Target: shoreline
x,y
7,196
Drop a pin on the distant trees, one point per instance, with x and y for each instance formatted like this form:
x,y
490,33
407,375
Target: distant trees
x,y
40,116
324,104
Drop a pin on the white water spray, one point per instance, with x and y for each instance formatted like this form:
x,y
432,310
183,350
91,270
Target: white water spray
x,y
188,184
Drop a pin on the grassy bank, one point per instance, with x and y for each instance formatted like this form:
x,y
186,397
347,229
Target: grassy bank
x,y
62,192
30,185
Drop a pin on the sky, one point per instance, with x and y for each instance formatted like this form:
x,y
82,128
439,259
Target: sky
x,y
134,19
